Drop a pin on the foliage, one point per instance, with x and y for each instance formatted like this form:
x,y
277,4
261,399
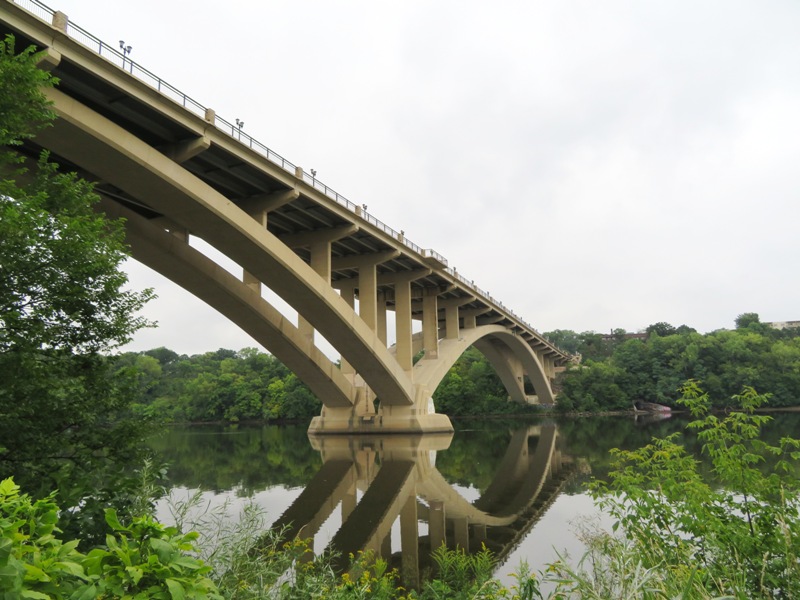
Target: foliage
x,y
34,563
64,407
652,370
739,538
471,387
143,560
225,385
461,576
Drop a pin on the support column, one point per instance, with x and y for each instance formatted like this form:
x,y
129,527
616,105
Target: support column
x,y
461,533
368,295
381,307
247,278
402,310
436,524
321,263
409,540
430,323
349,502
451,322
386,546
348,295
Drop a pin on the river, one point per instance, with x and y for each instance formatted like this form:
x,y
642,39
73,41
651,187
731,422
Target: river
x,y
517,486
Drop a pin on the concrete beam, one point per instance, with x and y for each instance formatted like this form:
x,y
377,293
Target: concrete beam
x,y
309,238
357,261
182,151
268,202
456,302
403,277
49,59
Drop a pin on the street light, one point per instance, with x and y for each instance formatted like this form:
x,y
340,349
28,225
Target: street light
x,y
313,176
126,50
239,125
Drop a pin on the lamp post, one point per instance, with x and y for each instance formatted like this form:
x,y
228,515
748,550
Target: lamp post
x,y
126,50
313,176
239,125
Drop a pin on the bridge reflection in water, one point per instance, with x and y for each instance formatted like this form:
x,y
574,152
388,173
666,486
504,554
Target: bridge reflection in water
x,y
375,482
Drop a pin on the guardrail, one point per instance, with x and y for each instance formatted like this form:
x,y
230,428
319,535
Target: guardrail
x,y
86,39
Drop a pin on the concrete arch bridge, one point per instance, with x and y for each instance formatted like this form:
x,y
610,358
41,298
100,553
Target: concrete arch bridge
x,y
175,170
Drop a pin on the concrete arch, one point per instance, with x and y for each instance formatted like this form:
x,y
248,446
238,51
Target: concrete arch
x,y
192,270
501,347
116,156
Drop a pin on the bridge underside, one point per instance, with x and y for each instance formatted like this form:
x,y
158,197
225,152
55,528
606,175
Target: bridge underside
x,y
175,174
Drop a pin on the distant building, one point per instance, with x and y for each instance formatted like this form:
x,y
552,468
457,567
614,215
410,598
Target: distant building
x,y
784,324
609,337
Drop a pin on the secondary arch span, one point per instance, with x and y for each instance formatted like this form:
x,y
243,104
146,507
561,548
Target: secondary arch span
x,y
509,354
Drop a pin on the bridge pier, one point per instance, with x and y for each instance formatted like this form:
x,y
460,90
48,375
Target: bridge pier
x,y
360,419
390,419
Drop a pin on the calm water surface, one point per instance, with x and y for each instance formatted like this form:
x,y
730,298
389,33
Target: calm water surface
x,y
516,486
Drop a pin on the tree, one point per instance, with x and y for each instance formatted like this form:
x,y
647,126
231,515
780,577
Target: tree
x,y
661,329
62,306
744,320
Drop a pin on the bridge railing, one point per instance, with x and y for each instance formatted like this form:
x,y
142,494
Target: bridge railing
x,y
114,55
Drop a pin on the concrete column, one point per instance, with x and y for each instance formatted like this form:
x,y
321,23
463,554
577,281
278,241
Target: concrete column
x,y
430,323
436,524
251,281
321,263
461,533
348,503
386,546
348,295
180,233
402,310
247,278
479,534
470,321
409,541
368,295
381,326
451,322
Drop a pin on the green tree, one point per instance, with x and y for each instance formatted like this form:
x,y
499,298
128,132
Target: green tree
x,y
662,329
63,307
744,320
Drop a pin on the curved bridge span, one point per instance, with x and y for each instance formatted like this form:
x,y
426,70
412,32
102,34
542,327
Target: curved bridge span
x,y
174,170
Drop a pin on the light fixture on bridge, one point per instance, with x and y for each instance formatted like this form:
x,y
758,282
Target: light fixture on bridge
x,y
239,125
313,176
126,50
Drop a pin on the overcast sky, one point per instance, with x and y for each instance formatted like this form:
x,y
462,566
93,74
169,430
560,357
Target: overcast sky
x,y
593,165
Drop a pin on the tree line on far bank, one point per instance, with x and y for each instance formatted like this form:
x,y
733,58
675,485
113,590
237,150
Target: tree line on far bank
x,y
616,370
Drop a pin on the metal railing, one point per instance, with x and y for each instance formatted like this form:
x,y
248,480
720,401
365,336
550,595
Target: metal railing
x,y
112,54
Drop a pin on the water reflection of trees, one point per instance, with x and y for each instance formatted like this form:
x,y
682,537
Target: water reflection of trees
x,y
245,459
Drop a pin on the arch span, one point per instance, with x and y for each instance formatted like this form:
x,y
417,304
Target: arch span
x,y
509,354
116,156
178,261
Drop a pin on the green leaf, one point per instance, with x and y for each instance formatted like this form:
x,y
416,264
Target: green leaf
x,y
175,589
